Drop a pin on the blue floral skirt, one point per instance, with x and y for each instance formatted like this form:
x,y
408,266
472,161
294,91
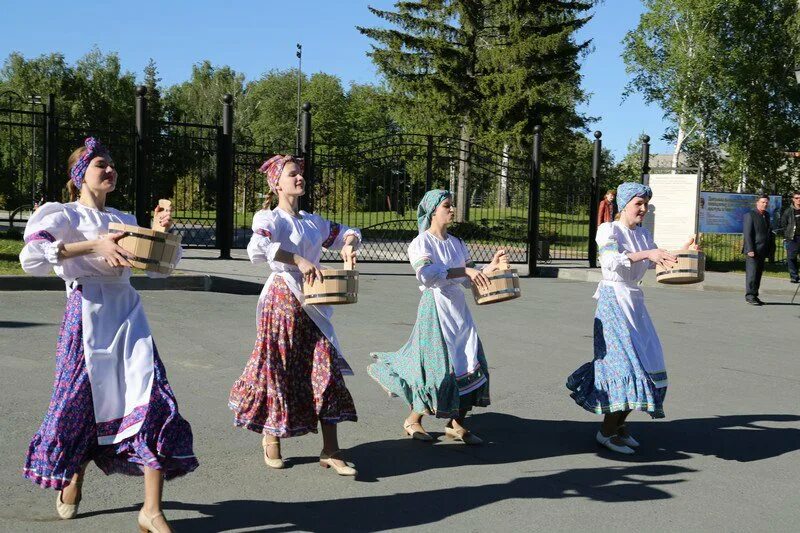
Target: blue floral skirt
x,y
420,372
67,438
615,380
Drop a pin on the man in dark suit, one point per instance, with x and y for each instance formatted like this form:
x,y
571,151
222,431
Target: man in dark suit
x,y
759,244
790,223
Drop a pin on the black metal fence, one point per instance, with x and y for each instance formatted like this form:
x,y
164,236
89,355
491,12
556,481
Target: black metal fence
x,y
23,159
374,184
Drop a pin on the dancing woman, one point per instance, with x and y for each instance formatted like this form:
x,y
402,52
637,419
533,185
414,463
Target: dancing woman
x,y
442,369
628,371
111,401
294,381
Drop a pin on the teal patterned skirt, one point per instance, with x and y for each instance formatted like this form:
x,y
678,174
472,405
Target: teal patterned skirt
x,y
420,372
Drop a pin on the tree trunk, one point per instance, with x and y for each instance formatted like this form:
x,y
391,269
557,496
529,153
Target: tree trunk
x,y
502,189
676,156
462,199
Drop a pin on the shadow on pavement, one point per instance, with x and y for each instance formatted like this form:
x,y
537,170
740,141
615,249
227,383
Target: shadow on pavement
x,y
510,439
17,324
373,513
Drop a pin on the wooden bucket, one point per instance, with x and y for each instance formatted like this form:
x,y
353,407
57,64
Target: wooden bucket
x,y
503,286
149,249
691,268
337,287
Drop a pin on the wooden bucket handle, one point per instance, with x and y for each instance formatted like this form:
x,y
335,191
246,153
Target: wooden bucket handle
x,y
166,205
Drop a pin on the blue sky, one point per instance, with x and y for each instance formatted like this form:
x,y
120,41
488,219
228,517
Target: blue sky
x,y
253,37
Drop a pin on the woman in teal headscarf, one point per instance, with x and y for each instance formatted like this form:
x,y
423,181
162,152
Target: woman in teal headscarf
x,y
441,370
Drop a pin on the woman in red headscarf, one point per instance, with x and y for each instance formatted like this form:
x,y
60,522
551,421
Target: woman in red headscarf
x,y
294,381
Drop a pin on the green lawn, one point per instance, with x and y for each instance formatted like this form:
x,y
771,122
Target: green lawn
x,y
10,247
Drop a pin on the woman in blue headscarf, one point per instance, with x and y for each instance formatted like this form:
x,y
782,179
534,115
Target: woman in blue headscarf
x,y
441,370
628,371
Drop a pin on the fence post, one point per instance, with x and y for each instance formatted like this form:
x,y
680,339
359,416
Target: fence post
x,y
306,152
140,166
645,159
593,199
225,223
51,186
533,201
429,165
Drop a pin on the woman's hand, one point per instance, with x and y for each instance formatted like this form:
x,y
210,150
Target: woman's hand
x,y
114,254
163,217
477,277
690,244
310,271
662,257
349,256
500,259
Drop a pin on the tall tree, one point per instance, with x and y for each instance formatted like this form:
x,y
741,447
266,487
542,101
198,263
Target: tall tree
x,y
432,60
200,98
155,107
723,72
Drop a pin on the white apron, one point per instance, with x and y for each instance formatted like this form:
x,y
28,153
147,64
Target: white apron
x,y
459,332
119,354
320,314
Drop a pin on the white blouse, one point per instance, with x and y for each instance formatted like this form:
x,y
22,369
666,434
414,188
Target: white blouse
x,y
55,223
432,257
614,242
306,236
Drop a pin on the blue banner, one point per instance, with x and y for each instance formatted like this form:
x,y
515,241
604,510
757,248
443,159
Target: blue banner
x,y
723,212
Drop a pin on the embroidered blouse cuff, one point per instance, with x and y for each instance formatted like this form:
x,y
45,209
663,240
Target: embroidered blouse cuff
x,y
356,233
51,250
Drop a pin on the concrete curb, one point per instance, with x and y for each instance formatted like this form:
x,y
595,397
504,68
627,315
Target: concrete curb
x,y
594,276
203,283
228,285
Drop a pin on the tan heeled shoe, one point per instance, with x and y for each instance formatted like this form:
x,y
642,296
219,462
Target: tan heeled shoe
x,y
327,461
68,511
416,435
147,523
272,463
463,435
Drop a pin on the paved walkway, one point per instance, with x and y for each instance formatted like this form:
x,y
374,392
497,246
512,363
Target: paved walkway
x,y
726,458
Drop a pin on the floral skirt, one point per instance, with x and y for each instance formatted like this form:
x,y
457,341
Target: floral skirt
x,y
67,438
420,372
615,380
292,381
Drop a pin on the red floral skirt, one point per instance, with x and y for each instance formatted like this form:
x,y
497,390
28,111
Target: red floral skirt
x,y
292,381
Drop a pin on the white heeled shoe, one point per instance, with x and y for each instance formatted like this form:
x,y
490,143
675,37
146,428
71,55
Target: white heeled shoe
x,y
606,441
68,511
627,439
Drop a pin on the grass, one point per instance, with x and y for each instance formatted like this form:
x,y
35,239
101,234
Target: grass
x,y
10,246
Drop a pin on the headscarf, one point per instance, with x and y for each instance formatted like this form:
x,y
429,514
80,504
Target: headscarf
x,y
93,149
273,167
428,205
630,190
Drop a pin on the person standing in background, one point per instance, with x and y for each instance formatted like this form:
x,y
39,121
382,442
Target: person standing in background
x,y
758,245
790,223
606,210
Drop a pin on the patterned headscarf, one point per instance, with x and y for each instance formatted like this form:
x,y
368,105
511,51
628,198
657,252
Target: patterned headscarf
x,y
630,190
428,205
93,149
273,167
